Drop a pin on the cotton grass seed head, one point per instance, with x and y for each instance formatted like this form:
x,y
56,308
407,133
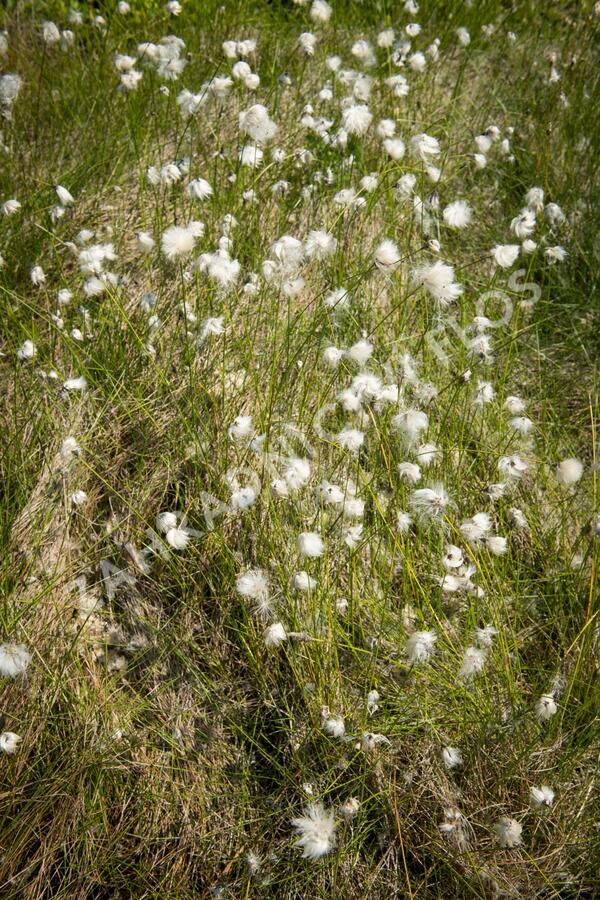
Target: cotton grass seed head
x,y
14,659
310,544
316,830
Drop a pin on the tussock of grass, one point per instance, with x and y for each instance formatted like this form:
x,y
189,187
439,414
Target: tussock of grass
x,y
165,748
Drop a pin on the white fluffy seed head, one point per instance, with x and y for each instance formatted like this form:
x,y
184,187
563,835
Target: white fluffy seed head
x,y
505,255
411,423
360,352
451,757
310,544
387,256
356,119
508,832
438,280
473,663
541,797
177,538
316,829
546,707
177,241
569,471
9,741
320,11
420,645
458,214
14,659
334,726
275,635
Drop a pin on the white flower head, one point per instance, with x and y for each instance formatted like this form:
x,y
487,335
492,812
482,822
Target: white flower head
x,y
411,472
317,831
275,635
508,832
522,424
534,199
554,214
241,428
254,585
424,146
387,256
64,196
177,241
350,439
14,659
411,423
451,757
320,11
404,522
417,61
363,51
69,448
310,544
243,498
9,207
546,707
9,741
50,33
145,241
556,254
372,702
505,255
523,225
426,454
473,662
484,636
512,467
199,189
307,43
420,645
334,726
453,557
517,518
349,809
569,471
360,352
395,148
386,128
332,356
26,351
251,156
496,544
371,740
541,797
458,214
257,124
356,119
37,276
405,185
75,384
385,39
320,245
430,502
438,280
173,527
475,529
302,581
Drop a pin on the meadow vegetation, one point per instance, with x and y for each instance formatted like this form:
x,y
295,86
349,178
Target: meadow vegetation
x,y
300,487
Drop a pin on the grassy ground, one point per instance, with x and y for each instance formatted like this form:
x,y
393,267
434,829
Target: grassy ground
x,y
165,747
